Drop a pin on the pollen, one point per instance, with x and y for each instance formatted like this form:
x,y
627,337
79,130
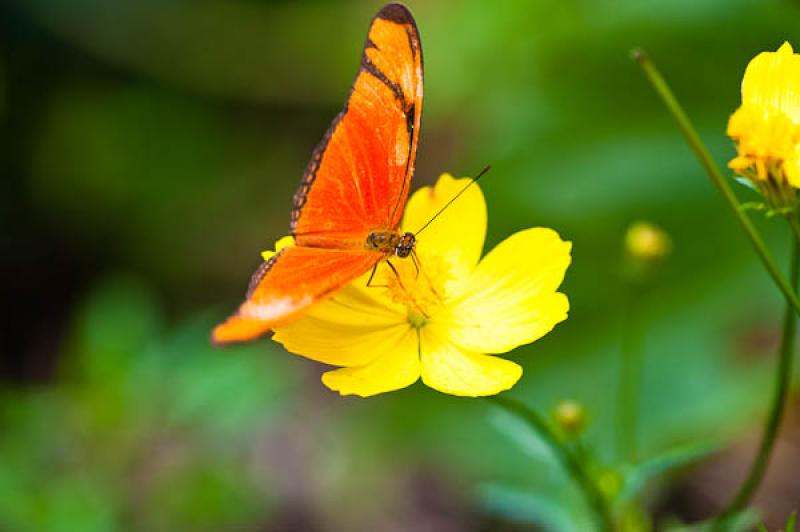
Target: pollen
x,y
419,285
764,141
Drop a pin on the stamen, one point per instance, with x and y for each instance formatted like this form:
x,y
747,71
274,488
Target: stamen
x,y
420,292
410,296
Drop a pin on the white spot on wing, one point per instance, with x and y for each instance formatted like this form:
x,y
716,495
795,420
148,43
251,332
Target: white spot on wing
x,y
274,309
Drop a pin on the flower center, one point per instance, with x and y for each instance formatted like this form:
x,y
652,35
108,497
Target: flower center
x,y
419,286
765,138
768,147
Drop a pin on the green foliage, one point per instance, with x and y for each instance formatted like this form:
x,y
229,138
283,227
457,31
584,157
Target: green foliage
x,y
790,526
639,476
791,523
167,139
521,506
623,485
143,431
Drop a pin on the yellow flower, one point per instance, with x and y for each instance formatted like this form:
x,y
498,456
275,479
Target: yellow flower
x,y
766,127
443,323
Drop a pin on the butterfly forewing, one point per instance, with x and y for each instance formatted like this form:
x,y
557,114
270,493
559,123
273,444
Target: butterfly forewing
x,y
358,178
357,182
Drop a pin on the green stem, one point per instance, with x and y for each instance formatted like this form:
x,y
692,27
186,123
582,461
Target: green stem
x,y
795,225
630,377
595,499
783,377
717,179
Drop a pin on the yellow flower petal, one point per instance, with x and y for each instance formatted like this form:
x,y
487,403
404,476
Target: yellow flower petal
x,y
457,235
352,328
511,298
284,242
448,369
395,368
772,82
740,163
742,121
791,168
438,322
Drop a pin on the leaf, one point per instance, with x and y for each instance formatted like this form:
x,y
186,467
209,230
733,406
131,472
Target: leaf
x,y
518,505
791,523
641,474
753,206
519,433
745,182
744,521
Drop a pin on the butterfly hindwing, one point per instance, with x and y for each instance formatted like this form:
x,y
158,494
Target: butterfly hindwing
x,y
286,285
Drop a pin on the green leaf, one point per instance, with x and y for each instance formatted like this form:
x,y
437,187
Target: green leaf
x,y
744,521
753,206
747,183
521,434
643,473
541,509
791,523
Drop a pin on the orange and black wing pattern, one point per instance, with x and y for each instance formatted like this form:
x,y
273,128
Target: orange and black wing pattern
x,y
357,182
359,175
285,286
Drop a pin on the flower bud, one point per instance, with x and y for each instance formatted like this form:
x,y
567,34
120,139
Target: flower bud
x,y
570,417
647,242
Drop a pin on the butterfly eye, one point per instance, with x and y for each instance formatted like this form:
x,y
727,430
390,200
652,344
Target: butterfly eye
x,y
405,245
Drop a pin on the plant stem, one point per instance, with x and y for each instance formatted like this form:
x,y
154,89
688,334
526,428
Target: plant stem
x,y
795,225
595,499
783,377
630,376
717,179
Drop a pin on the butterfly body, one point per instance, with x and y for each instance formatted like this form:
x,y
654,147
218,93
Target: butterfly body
x,y
392,243
347,210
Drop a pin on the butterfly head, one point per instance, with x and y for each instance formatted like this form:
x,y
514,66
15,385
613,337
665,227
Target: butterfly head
x,y
405,245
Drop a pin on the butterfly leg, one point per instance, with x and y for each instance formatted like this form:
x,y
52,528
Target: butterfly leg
x,y
402,286
414,261
418,265
372,276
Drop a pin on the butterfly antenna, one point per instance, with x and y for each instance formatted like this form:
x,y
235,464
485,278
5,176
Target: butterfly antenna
x,y
446,205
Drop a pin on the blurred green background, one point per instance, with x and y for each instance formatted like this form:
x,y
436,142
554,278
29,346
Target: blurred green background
x,y
149,152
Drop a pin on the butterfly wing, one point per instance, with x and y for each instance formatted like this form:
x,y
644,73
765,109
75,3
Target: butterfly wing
x,y
287,284
357,182
359,175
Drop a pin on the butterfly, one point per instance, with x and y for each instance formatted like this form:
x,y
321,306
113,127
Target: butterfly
x,y
349,205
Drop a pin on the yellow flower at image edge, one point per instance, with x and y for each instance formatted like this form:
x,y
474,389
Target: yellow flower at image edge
x,y
444,322
766,127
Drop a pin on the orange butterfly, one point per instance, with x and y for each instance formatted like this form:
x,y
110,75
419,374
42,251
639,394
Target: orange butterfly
x,y
349,205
